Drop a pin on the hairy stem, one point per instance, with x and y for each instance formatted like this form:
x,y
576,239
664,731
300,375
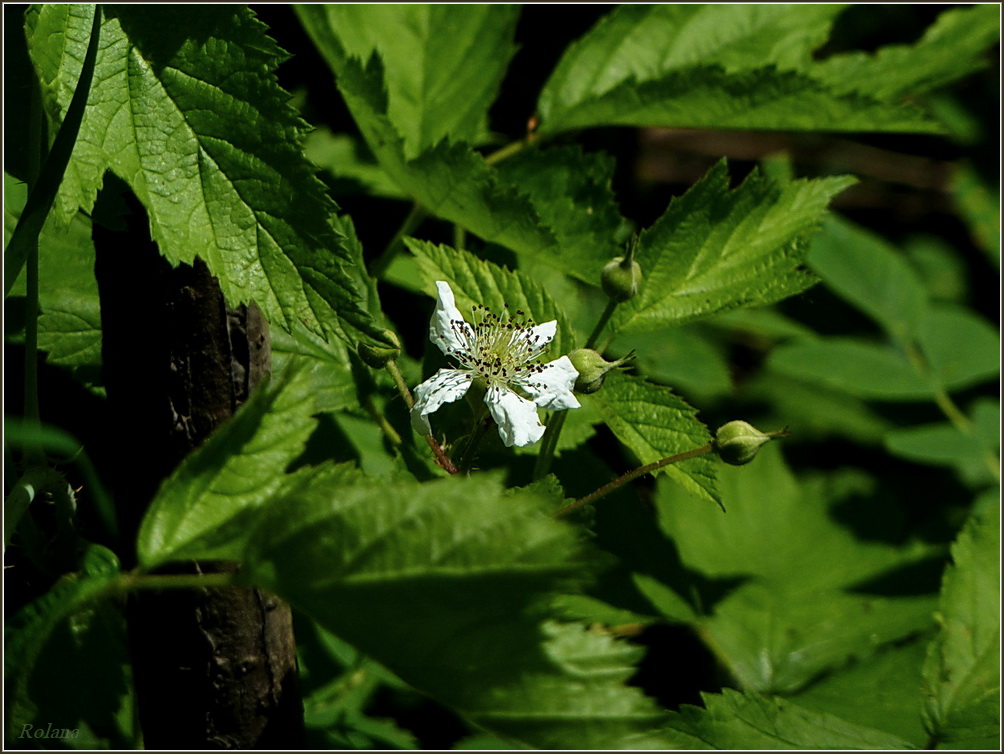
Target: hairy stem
x,y
601,323
631,476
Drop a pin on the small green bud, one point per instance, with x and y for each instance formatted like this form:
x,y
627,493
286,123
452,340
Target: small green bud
x,y
737,442
377,355
621,279
592,369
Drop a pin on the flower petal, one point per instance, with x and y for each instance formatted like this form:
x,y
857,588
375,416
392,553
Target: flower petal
x,y
445,386
552,388
516,417
448,323
541,336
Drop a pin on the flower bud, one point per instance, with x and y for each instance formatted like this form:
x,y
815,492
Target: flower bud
x,y
592,369
621,279
737,442
377,355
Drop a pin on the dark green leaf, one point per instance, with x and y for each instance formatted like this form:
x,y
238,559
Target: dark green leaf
x,y
864,369
205,508
871,274
962,348
456,566
752,721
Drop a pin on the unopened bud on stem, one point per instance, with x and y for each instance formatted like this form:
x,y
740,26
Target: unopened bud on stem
x,y
592,368
738,442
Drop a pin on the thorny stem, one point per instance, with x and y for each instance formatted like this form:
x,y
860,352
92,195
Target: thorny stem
x,y
128,582
631,476
412,221
402,387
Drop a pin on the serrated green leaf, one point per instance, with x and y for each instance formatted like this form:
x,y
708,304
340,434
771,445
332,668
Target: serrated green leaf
x,y
654,423
765,99
436,88
330,366
715,249
646,41
455,566
475,281
205,508
962,348
864,369
870,274
187,111
962,669
721,66
449,179
571,193
951,48
27,633
751,721
880,691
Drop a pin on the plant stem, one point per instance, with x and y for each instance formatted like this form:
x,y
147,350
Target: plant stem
x,y
129,582
506,152
604,318
35,152
631,476
417,214
402,387
548,444
381,420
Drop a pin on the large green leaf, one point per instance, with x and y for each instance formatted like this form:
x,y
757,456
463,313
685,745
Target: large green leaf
x,y
862,368
712,66
205,508
436,87
187,111
776,528
450,179
777,639
442,583
475,281
869,272
751,721
954,46
654,423
962,670
715,249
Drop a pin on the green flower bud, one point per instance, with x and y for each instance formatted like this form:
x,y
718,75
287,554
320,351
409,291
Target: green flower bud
x,y
592,369
621,279
738,442
377,355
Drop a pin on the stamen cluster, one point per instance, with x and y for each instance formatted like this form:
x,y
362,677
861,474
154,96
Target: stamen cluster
x,y
500,350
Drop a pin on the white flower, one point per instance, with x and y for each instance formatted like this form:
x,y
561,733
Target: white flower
x,y
504,354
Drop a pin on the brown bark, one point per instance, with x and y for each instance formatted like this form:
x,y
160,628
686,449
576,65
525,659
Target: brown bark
x,y
213,668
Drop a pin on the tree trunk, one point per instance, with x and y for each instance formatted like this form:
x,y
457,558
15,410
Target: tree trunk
x,y
213,668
